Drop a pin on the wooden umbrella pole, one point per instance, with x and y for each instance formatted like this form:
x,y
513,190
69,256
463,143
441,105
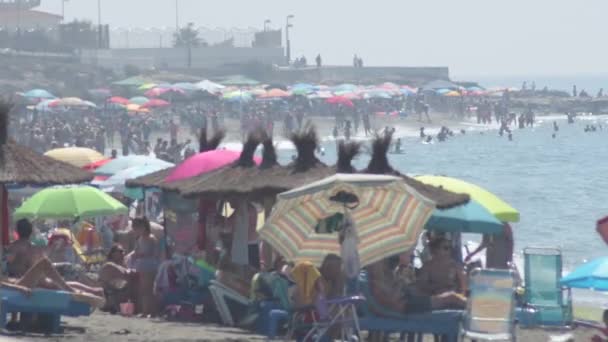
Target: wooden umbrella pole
x,y
3,221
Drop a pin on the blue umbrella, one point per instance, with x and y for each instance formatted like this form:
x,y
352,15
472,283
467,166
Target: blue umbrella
x,y
469,218
38,94
123,163
592,275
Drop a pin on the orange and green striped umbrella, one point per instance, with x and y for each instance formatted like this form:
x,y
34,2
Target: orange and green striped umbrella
x,y
388,215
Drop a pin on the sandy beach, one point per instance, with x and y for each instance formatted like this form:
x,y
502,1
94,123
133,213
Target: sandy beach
x,y
105,327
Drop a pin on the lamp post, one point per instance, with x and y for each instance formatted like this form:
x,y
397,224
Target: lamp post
x,y
266,24
177,16
288,25
99,24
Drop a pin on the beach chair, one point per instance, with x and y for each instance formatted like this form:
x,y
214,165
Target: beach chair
x,y
444,323
490,314
221,295
53,303
546,302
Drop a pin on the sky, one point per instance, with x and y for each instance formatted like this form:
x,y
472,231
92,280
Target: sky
x,y
475,38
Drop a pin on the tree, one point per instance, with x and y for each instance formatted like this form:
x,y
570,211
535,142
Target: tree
x,y
188,37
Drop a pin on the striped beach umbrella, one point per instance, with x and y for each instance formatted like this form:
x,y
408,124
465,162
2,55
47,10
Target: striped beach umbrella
x,y
388,216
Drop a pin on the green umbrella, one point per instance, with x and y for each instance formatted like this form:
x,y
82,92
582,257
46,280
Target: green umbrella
x,y
69,203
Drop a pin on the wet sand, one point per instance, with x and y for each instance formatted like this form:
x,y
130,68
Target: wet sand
x,y
105,327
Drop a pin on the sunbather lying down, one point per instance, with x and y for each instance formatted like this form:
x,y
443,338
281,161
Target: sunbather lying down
x,y
42,275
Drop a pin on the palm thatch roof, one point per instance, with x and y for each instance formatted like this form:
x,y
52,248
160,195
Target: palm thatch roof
x,y
22,165
156,179
268,179
379,164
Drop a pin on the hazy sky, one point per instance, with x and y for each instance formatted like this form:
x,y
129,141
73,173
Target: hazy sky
x,y
472,37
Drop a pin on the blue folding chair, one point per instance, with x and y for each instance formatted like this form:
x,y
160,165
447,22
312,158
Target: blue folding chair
x,y
546,302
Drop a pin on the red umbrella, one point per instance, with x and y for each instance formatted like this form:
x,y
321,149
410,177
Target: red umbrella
x,y
155,103
602,228
118,100
340,100
93,166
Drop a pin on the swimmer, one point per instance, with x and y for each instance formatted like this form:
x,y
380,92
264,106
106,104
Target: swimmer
x,y
398,146
422,134
510,136
555,126
463,132
553,135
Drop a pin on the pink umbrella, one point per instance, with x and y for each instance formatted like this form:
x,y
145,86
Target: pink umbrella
x,y
204,162
155,103
118,100
341,100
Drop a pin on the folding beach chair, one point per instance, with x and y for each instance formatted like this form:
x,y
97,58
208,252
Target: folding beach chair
x,y
547,303
221,294
490,314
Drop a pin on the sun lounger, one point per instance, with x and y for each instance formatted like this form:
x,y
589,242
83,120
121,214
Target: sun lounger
x,y
55,303
490,314
547,304
221,294
442,322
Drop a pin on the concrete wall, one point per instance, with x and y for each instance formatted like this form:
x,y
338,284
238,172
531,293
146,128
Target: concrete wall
x,y
177,58
366,75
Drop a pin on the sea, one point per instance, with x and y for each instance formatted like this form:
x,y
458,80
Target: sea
x,y
559,184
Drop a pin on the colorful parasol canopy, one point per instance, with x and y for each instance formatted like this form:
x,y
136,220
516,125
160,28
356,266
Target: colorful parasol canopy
x,y
275,93
123,163
38,94
202,163
138,100
95,165
388,216
156,103
592,275
118,100
499,208
77,156
69,203
340,100
468,218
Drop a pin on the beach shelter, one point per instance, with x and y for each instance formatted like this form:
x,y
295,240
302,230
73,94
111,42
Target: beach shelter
x,y
69,202
499,208
77,156
387,214
22,166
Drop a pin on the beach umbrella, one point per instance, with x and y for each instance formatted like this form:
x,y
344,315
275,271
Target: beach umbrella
x,y
77,156
340,100
123,163
46,105
135,108
185,86
592,275
69,203
202,163
147,86
275,93
407,91
118,100
452,93
377,94
322,94
156,103
38,94
209,86
468,218
138,100
499,208
72,102
237,95
388,216
345,87
95,165
116,183
442,91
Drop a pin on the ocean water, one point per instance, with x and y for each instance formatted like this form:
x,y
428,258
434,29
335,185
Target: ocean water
x,y
560,186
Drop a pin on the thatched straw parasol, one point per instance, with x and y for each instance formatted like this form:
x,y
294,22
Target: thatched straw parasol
x,y
379,164
266,180
347,151
23,166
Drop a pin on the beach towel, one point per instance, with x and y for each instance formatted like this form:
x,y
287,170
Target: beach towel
x,y
305,275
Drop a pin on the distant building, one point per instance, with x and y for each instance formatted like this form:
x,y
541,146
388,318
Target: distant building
x,y
28,19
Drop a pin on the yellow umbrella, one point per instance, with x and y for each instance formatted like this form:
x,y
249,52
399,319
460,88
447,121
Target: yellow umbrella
x,y
499,208
77,156
452,93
